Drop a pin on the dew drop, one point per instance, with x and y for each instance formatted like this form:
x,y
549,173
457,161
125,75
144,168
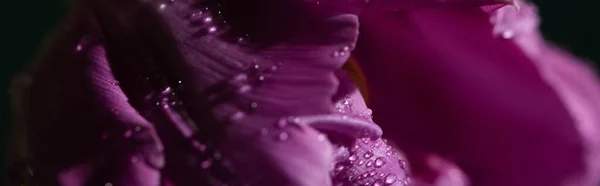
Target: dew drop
x,y
196,15
261,78
321,137
390,178
244,88
212,29
162,6
283,136
137,128
108,184
179,82
361,162
339,167
378,183
367,113
79,48
365,175
201,147
508,34
407,181
369,163
294,120
208,19
368,154
372,173
206,164
403,164
127,133
336,54
348,101
241,77
379,162
353,157
253,105
237,116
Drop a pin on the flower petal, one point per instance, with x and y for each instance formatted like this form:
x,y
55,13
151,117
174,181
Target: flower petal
x,y
393,5
476,100
82,130
218,87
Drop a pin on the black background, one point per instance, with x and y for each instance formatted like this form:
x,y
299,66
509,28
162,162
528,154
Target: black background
x,y
571,24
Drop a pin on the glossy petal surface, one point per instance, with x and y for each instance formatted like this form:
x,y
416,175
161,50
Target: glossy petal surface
x,y
475,98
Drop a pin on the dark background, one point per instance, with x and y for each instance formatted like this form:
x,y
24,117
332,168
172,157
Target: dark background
x,y
571,24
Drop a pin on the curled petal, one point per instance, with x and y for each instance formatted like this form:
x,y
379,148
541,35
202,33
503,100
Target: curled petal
x,y
477,100
204,81
393,5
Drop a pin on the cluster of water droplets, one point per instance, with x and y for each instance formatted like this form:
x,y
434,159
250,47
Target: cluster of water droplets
x,y
370,163
343,51
346,106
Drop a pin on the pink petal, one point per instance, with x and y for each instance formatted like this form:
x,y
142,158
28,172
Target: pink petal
x,y
442,83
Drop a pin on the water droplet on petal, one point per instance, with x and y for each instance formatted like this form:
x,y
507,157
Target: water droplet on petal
x,y
253,105
379,162
137,128
212,29
378,183
108,184
321,137
241,77
336,54
353,157
294,120
208,19
283,136
79,48
339,167
390,178
361,162
237,116
162,6
367,113
369,163
201,147
407,181
372,173
206,164
368,154
403,164
127,133
244,88
508,34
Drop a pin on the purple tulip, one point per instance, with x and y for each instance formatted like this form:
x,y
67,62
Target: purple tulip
x,y
237,92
